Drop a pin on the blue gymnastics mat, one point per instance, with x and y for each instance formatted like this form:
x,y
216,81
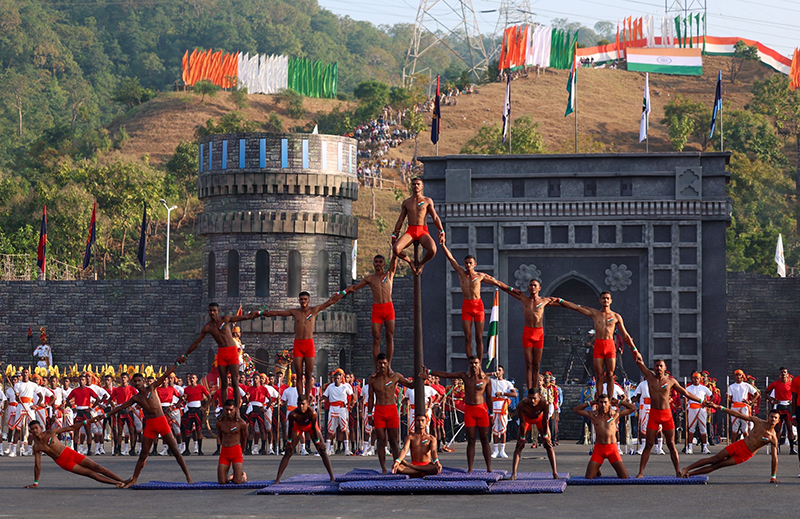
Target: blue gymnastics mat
x,y
368,475
647,480
200,485
540,475
529,486
456,474
414,486
312,487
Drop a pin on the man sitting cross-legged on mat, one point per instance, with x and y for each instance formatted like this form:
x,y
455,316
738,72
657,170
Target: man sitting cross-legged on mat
x,y
232,432
303,420
533,410
424,460
382,408
47,442
763,433
604,419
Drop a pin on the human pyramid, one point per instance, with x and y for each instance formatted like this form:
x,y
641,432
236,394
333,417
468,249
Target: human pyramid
x,y
153,397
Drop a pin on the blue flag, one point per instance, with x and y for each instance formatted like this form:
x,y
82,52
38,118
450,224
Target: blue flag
x,y
87,256
717,104
141,255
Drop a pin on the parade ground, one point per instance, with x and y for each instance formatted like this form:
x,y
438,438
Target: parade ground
x,y
732,492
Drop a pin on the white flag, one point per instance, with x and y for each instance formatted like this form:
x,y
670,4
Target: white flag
x,y
353,260
779,257
645,108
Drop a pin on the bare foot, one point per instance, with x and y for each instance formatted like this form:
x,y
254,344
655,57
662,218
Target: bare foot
x,y
333,480
513,477
383,471
128,482
683,474
189,480
599,473
640,475
680,474
277,481
120,484
555,475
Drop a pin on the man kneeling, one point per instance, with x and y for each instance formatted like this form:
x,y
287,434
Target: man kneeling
x,y
232,432
423,448
604,419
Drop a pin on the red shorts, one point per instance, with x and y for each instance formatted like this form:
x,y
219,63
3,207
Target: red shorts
x,y
533,338
604,349
303,348
68,459
230,455
382,312
739,451
300,428
385,417
661,417
526,425
605,451
473,310
420,463
417,231
228,356
476,416
155,426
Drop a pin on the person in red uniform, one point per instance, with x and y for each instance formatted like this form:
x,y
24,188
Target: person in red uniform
x,y
782,401
196,396
156,423
169,396
232,431
416,208
303,420
81,399
120,395
533,410
258,396
605,419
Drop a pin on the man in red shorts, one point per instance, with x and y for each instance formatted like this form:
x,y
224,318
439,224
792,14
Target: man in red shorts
x,y
533,410
423,447
303,352
380,283
47,442
232,431
472,310
382,408
605,354
763,433
303,420
477,391
416,208
155,422
220,328
605,418
533,307
660,386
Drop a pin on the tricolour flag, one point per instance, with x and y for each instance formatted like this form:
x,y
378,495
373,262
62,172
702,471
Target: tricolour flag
x,y
87,256
717,104
571,84
141,254
662,60
779,257
436,124
494,324
645,108
41,250
507,108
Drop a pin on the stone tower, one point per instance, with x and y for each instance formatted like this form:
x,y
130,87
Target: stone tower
x,y
277,220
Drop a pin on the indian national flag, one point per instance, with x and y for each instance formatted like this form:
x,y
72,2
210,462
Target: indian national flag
x,y
493,326
571,87
661,60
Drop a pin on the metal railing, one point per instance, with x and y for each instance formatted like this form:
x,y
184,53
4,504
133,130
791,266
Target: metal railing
x,y
23,267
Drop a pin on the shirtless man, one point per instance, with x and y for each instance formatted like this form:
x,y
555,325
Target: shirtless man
x,y
303,420
477,391
382,408
416,208
220,328
382,306
424,460
763,433
533,333
303,353
232,431
533,410
605,354
605,419
47,442
472,309
660,386
155,422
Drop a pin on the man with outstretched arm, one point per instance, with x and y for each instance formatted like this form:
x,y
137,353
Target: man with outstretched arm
x,y
416,208
660,386
472,309
47,442
533,410
156,422
763,433
605,418
303,420
477,391
380,283
232,432
604,355
424,458
382,408
303,353
220,328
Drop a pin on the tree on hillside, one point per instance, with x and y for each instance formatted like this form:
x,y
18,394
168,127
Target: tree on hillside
x,y
741,52
205,88
372,91
130,93
183,167
524,135
754,135
686,118
415,123
231,122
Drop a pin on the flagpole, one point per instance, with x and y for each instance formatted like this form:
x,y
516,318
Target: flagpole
x,y
721,138
575,102
647,135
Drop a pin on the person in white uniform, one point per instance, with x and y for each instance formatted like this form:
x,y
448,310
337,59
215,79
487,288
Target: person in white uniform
x,y
502,393
337,395
741,396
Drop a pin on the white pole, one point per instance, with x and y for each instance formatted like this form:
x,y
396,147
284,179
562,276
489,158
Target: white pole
x,y
169,212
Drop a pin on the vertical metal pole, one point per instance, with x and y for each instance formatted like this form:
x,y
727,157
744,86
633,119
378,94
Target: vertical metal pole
x,y
419,384
166,270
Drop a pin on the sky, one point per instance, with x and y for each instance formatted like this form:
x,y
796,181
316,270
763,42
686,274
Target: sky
x,y
774,23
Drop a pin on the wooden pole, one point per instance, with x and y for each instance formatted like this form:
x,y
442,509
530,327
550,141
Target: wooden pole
x,y
419,384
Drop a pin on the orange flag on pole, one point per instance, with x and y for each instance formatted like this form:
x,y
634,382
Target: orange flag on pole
x,y
185,67
794,72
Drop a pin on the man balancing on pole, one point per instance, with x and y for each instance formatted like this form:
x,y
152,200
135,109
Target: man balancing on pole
x,y
763,433
382,408
46,442
533,410
380,283
605,419
155,422
477,391
416,208
228,354
303,420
